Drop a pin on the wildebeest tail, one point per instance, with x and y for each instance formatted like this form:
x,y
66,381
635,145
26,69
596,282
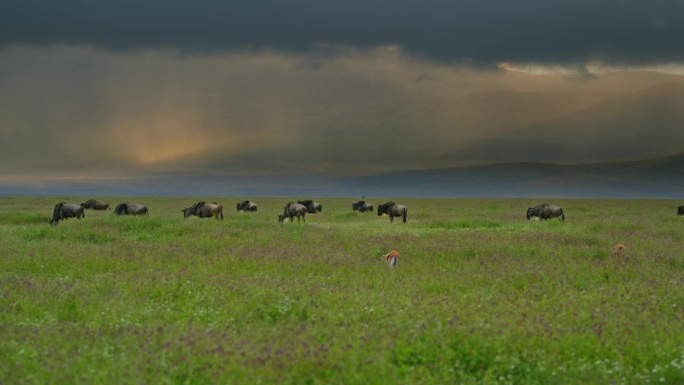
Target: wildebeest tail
x,y
562,215
221,211
405,213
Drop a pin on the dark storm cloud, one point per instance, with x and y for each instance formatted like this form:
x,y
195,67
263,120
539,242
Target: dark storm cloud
x,y
475,31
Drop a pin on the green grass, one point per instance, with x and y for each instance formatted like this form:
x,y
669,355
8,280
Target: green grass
x,y
480,296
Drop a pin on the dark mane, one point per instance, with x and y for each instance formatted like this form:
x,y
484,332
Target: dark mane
x,y
121,208
56,210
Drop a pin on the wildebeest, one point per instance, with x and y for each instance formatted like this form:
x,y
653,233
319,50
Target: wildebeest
x,y
293,210
680,210
95,205
126,208
204,210
311,206
246,206
64,210
545,211
393,210
362,207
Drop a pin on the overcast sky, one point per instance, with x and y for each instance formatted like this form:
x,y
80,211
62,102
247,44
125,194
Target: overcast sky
x,y
110,87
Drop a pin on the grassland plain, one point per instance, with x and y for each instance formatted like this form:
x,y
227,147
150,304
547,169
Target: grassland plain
x,y
480,296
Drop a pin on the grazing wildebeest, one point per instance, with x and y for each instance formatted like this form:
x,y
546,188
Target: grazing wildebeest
x,y
126,208
246,206
95,205
311,206
293,210
204,210
393,210
65,210
680,210
362,207
534,211
545,211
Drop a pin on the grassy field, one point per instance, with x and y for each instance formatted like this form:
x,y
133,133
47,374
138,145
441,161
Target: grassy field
x,y
480,296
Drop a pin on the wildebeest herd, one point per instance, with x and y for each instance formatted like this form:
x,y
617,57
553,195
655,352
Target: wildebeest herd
x,y
202,209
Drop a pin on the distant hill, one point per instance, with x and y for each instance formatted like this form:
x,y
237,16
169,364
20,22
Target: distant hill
x,y
650,178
